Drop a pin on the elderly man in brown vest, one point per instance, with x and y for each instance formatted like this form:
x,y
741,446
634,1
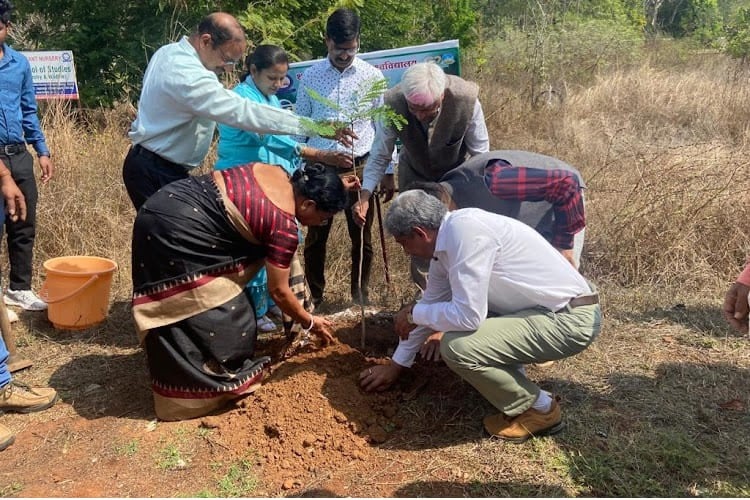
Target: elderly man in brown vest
x,y
445,125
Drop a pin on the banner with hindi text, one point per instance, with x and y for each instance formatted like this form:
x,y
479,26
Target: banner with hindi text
x,y
392,62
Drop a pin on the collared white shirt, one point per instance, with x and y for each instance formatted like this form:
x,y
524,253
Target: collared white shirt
x,y
477,141
487,262
342,88
181,101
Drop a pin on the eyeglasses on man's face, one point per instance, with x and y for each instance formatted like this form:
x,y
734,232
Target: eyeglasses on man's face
x,y
424,110
228,61
340,52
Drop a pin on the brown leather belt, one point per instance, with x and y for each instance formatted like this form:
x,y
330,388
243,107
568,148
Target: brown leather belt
x,y
585,300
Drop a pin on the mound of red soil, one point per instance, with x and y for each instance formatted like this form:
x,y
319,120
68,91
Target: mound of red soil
x,y
310,415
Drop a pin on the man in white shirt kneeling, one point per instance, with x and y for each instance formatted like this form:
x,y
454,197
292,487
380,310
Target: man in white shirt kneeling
x,y
504,298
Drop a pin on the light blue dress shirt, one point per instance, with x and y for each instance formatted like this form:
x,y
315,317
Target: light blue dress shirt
x,y
19,122
181,101
238,147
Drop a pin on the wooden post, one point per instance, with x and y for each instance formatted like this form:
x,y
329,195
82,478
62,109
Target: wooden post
x,y
15,361
382,238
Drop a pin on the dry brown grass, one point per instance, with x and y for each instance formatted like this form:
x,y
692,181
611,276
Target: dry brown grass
x,y
84,209
663,152
663,149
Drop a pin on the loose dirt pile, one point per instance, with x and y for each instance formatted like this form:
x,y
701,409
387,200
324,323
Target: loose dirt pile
x,y
311,415
309,424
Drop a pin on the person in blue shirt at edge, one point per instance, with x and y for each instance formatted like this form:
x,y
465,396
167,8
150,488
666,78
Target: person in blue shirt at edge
x,y
267,69
20,125
181,101
15,396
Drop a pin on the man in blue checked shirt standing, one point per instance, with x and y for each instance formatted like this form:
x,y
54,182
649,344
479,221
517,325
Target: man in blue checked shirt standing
x,y
19,125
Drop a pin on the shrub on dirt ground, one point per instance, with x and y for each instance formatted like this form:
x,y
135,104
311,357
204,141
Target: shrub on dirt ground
x,y
668,183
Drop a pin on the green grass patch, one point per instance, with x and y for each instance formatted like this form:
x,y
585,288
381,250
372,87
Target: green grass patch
x,y
170,457
10,489
204,432
661,462
174,455
128,449
239,480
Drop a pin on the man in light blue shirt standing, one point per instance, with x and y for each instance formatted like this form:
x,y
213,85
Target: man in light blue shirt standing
x,y
340,77
181,101
19,125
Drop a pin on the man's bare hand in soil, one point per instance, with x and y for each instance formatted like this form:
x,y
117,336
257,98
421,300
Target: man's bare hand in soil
x,y
430,350
736,307
379,377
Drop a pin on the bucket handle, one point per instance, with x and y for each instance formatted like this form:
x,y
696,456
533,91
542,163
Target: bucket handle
x,y
44,292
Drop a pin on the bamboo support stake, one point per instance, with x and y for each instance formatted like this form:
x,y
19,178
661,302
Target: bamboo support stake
x,y
15,361
382,239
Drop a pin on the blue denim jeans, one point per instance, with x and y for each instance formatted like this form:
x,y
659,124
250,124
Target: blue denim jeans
x,y
4,372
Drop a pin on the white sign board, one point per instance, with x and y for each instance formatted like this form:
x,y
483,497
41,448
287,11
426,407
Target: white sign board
x,y
392,62
54,74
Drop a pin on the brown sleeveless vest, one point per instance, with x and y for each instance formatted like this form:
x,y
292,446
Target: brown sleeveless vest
x,y
446,150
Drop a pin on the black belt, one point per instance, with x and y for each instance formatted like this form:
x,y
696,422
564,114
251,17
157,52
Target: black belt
x,y
360,160
140,150
12,149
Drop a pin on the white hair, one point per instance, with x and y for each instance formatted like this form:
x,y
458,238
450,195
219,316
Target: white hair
x,y
414,208
423,83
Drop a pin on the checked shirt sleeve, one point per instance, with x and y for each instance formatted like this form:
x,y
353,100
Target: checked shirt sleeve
x,y
558,187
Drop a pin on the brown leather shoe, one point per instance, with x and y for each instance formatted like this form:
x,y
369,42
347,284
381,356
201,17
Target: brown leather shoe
x,y
496,423
6,437
21,398
531,423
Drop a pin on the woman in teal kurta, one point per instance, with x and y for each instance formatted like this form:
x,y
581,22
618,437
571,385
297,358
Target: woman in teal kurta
x,y
268,66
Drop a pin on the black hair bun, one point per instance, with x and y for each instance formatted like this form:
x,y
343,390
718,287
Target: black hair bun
x,y
315,168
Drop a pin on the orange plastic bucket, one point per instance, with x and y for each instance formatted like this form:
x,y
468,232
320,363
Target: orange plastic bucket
x,y
77,290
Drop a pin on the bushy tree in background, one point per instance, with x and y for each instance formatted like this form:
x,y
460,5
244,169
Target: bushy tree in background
x,y
542,47
738,35
112,42
386,24
296,25
697,18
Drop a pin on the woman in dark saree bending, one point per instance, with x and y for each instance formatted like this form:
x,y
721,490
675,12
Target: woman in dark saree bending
x,y
196,243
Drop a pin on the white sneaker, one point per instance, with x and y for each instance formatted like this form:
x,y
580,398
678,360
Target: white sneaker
x,y
12,316
25,299
265,324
